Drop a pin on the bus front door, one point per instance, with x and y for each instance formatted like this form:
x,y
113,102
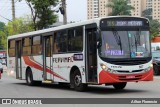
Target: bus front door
x,y
18,60
47,61
91,55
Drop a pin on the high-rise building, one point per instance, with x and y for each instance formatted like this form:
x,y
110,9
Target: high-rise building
x,y
148,4
97,8
103,10
156,9
92,6
139,7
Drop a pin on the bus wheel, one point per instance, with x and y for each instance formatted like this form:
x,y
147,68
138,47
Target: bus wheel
x,y
77,79
119,86
29,78
156,70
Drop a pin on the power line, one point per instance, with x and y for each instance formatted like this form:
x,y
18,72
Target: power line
x,y
5,18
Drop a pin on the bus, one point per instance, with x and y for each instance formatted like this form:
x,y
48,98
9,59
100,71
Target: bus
x,y
112,51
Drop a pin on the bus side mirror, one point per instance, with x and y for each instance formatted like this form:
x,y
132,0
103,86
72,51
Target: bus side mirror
x,y
97,35
99,44
98,38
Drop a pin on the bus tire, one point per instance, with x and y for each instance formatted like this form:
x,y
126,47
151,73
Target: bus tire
x,y
156,70
77,81
29,78
120,86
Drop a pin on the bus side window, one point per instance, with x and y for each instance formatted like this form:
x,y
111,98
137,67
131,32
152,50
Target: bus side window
x,y
26,46
11,48
75,39
36,45
60,42
56,48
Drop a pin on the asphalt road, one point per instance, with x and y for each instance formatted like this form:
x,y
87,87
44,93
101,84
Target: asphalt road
x,y
12,88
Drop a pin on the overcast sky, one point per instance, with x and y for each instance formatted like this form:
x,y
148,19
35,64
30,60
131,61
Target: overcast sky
x,y
76,10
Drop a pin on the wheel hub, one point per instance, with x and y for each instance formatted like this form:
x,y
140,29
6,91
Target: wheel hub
x,y
29,79
77,80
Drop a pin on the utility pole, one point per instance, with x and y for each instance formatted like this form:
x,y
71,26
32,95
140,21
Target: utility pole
x,y
13,10
65,12
13,16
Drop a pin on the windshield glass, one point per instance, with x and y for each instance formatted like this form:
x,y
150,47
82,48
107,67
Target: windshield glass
x,y
125,44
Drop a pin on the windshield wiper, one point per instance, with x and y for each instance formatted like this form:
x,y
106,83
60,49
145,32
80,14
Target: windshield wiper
x,y
135,39
118,39
138,36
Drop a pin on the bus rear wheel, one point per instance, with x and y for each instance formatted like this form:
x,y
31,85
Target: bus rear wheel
x,y
120,86
77,81
29,78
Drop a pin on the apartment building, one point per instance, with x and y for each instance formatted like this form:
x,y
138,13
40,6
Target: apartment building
x,y
139,7
97,8
156,9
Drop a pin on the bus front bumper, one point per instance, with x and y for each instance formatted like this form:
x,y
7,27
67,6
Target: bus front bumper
x,y
106,77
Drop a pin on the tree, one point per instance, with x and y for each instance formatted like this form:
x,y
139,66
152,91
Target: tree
x,y
147,13
120,7
2,25
23,25
154,28
42,14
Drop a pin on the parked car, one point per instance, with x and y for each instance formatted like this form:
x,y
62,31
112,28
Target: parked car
x,y
3,61
1,70
156,62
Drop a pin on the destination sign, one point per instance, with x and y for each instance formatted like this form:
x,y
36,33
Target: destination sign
x,y
124,23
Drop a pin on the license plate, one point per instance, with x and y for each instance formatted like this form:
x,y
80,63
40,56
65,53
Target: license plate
x,y
129,77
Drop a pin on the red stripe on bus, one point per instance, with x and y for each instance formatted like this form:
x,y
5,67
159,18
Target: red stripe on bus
x,y
33,64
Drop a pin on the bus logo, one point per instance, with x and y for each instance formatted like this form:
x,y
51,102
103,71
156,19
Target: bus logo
x,y
141,66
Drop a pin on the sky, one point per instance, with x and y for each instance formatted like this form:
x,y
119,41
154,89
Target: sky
x,y
76,10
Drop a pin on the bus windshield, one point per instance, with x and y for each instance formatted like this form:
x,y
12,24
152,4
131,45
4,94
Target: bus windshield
x,y
125,44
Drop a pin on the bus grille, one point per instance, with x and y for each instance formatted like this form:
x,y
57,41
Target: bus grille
x,y
129,71
138,77
129,62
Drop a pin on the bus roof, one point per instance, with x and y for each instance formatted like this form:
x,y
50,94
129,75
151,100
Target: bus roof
x,y
48,30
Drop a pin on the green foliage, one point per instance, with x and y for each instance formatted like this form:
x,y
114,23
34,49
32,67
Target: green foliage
x,y
2,36
2,26
42,15
154,24
120,7
147,13
154,28
3,40
21,25
18,26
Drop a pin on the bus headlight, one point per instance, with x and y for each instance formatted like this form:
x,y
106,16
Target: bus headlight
x,y
104,67
148,69
151,66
